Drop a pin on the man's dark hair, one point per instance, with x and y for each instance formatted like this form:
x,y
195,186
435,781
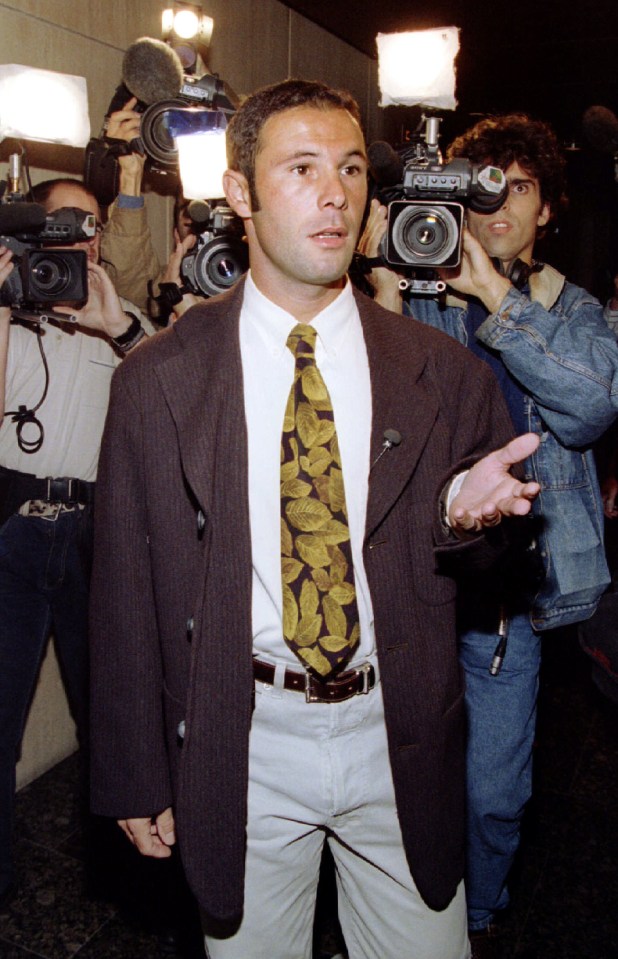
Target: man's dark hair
x,y
41,192
515,138
243,132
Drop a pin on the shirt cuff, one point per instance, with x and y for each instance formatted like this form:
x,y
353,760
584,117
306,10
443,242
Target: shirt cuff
x,y
449,493
125,202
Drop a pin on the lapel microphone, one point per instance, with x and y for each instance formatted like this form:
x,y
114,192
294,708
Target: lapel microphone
x,y
391,438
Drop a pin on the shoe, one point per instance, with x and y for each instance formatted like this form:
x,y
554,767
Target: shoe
x,y
485,943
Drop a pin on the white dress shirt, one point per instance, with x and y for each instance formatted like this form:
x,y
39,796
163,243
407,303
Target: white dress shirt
x,y
268,373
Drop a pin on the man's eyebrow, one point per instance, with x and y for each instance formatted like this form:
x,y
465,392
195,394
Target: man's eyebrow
x,y
309,153
517,180
357,154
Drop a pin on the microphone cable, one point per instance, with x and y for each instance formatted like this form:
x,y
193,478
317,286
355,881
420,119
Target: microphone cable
x,y
23,417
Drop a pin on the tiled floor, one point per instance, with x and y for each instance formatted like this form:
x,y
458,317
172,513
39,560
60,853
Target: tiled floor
x,y
83,893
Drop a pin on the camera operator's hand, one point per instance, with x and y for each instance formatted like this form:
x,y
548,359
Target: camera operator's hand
x,y
476,275
6,265
103,310
172,275
125,125
384,281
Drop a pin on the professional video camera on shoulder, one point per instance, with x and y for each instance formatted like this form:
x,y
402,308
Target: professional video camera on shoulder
x,y
172,104
43,277
426,200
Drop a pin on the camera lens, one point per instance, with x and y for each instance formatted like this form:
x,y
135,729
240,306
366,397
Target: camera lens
x,y
423,233
54,276
217,265
226,268
49,276
155,133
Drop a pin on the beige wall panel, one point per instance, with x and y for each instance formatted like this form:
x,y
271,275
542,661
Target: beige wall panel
x,y
50,731
250,41
318,55
115,22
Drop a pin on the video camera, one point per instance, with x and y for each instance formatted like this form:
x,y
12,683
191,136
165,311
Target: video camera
x,y
220,256
426,199
42,277
171,103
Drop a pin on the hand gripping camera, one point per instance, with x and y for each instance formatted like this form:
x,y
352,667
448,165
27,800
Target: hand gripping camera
x,y
426,200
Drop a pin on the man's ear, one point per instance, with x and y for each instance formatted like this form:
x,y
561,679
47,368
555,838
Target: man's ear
x,y
544,215
237,193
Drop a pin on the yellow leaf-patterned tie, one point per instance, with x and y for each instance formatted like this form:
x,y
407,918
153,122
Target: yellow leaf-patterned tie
x,y
320,613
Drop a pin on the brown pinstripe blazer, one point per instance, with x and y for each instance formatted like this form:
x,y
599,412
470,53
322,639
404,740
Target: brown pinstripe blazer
x,y
171,616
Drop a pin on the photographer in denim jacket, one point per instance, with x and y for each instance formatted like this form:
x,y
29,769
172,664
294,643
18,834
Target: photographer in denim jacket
x,y
557,362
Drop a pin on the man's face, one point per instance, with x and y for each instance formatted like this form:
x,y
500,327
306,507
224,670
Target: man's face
x,y
311,183
74,196
510,233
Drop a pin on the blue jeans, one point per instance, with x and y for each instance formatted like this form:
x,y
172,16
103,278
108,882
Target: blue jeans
x,y
501,714
44,579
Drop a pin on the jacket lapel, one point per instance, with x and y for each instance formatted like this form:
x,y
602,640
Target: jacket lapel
x,y
402,400
202,385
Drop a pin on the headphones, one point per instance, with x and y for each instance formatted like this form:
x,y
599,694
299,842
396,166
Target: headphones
x,y
518,272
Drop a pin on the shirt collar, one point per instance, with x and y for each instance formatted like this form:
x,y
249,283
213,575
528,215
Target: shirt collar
x,y
274,324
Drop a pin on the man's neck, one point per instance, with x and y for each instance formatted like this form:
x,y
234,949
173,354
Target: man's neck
x,y
303,303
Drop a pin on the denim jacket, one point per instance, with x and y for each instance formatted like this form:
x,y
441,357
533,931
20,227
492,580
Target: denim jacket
x,y
556,343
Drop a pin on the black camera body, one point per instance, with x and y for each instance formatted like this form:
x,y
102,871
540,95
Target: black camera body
x,y
425,228
44,277
427,204
220,256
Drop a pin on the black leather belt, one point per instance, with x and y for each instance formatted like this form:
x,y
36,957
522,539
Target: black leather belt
x,y
21,487
354,682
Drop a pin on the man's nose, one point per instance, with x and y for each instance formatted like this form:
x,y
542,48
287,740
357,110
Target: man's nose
x,y
333,191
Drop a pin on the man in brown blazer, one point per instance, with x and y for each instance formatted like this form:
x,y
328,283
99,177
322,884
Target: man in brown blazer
x,y
212,724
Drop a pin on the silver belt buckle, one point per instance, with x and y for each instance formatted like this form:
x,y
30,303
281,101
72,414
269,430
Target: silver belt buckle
x,y
365,669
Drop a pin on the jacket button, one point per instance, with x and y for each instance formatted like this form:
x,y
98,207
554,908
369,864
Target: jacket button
x,y
190,626
201,521
180,729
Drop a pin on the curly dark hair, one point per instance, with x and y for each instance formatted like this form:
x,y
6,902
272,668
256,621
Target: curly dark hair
x,y
516,138
245,127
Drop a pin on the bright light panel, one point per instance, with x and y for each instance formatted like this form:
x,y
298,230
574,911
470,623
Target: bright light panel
x,y
186,24
43,105
202,161
418,67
